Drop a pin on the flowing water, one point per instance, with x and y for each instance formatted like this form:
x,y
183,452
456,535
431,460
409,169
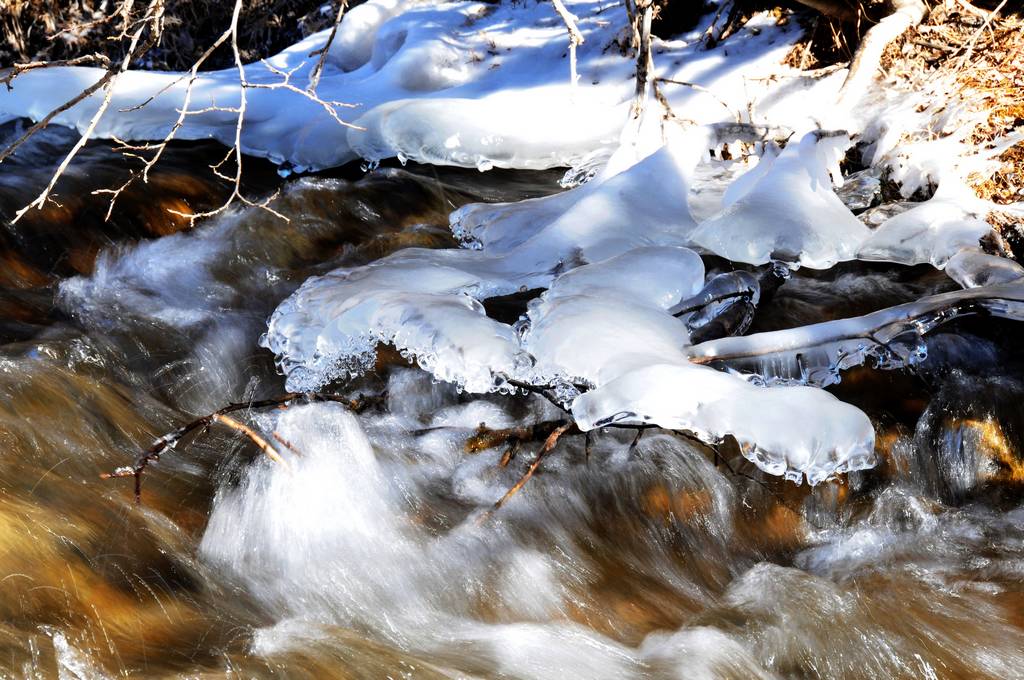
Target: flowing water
x,y
373,554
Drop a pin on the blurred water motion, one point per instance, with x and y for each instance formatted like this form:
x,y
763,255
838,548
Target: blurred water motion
x,y
365,558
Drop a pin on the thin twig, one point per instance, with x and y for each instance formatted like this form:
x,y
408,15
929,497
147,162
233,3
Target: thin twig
x,y
252,435
314,78
974,38
170,440
152,19
549,444
18,69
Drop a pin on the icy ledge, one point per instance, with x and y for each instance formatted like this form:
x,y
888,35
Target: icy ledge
x,y
615,270
794,432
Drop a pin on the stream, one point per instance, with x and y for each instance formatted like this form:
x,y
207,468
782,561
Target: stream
x,y
374,553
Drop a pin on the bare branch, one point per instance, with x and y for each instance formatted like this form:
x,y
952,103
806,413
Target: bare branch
x,y
575,38
644,61
153,20
314,77
549,444
331,107
18,69
168,441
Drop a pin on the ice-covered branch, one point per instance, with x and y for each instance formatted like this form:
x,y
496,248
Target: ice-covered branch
x,y
889,338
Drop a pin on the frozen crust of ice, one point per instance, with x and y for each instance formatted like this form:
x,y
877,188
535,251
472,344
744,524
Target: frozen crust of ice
x,y
600,320
792,431
331,326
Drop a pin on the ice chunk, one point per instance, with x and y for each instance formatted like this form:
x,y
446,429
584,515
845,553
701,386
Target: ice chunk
x,y
973,268
501,226
789,212
861,190
654,276
591,339
792,431
932,232
599,320
331,326
742,185
606,216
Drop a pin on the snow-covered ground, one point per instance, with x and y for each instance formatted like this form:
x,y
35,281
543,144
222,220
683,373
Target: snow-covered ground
x,y
457,83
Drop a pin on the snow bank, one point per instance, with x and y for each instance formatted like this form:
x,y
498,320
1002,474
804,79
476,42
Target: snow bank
x,y
459,83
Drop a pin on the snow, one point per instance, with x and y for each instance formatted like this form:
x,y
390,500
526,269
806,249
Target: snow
x,y
458,83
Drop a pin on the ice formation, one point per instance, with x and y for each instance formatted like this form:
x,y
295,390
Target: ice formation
x,y
931,232
330,328
972,268
332,324
831,438
788,210
603,319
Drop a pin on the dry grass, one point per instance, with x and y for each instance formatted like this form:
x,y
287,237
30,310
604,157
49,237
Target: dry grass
x,y
830,41
48,30
982,59
986,62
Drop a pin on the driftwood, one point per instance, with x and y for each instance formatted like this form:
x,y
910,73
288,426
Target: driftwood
x,y
905,15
